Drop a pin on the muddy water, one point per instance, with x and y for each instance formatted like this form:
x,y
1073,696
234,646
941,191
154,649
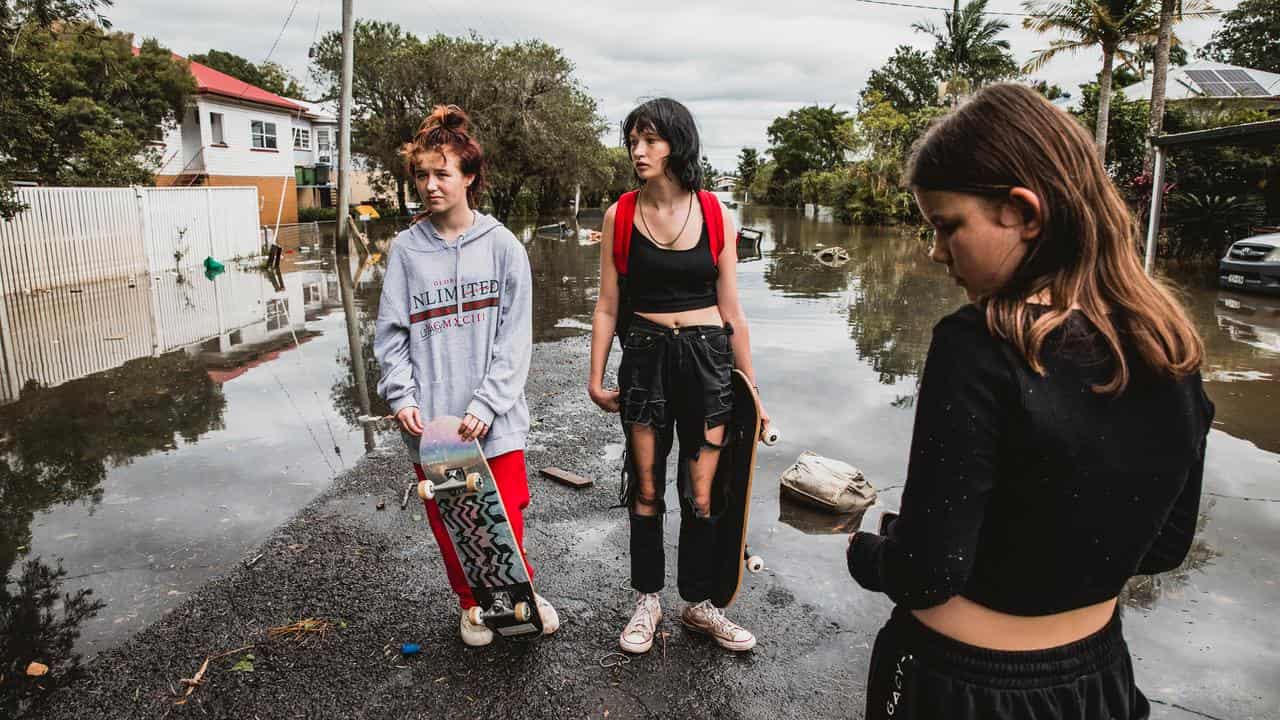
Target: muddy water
x,y
150,475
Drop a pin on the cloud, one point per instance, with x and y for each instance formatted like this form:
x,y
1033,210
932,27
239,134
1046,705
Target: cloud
x,y
737,63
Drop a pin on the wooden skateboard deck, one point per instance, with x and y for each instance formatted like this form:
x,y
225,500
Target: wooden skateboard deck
x,y
731,492
461,484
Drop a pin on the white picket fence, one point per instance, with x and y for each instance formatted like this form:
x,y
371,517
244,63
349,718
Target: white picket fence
x,y
69,236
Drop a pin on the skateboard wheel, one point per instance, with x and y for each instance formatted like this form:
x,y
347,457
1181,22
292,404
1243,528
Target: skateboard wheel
x,y
522,612
474,482
475,616
755,563
769,435
427,490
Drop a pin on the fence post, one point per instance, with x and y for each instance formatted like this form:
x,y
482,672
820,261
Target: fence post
x,y
217,290
153,289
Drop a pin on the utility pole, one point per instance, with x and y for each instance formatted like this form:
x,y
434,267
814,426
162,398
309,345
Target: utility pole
x,y
342,214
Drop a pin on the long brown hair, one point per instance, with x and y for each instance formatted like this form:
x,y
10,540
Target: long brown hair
x,y
448,126
1009,136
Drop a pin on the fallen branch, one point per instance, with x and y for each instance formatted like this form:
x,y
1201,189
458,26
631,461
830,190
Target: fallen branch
x,y
197,680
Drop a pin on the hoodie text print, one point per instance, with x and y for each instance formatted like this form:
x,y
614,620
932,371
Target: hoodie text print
x,y
455,330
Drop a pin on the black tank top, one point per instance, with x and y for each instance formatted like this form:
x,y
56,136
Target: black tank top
x,y
663,281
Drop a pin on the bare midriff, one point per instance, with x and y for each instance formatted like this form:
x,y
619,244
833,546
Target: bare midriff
x,y
687,318
965,620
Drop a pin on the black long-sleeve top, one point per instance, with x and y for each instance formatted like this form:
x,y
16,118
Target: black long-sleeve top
x,y
1031,494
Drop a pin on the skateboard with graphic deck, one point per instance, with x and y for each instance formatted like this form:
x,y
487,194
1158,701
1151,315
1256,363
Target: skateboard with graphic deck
x,y
731,491
459,481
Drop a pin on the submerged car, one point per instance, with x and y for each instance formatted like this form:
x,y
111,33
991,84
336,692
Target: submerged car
x,y
1252,264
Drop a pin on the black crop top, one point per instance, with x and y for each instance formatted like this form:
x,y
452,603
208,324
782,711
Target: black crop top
x,y
662,281
1033,495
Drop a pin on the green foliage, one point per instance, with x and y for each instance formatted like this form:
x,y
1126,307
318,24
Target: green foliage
x,y
810,138
709,172
909,80
317,214
79,108
1126,132
267,75
1207,224
540,135
748,166
1249,36
968,51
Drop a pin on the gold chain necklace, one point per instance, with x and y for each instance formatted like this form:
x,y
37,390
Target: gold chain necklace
x,y
644,221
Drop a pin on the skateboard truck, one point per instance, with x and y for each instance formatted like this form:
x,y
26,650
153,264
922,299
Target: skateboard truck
x,y
473,483
521,612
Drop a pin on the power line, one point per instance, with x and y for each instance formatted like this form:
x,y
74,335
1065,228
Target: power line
x,y
937,8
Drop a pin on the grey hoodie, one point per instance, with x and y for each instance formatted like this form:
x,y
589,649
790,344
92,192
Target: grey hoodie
x,y
455,329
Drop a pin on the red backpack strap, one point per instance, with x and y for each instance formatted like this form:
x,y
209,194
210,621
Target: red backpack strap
x,y
624,217
713,216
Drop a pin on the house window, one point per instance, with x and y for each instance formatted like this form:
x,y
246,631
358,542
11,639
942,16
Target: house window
x,y
157,134
301,139
263,134
311,293
324,145
277,314
215,129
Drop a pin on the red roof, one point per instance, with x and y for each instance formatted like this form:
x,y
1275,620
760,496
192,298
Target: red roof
x,y
218,83
213,82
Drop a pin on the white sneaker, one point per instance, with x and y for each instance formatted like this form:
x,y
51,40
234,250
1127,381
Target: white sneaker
x,y
550,618
710,620
638,635
474,635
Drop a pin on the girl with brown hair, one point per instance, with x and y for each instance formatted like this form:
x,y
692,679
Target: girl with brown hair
x,y
1059,437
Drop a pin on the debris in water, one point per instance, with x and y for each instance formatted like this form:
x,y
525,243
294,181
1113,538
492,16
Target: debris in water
x,y
410,649
36,669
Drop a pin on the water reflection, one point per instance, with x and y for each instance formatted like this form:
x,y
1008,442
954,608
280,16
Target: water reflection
x,y
39,623
154,427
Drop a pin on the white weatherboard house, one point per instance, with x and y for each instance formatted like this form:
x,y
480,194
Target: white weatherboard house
x,y
234,133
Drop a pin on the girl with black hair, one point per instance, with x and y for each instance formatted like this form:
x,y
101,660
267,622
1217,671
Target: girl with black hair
x,y
668,289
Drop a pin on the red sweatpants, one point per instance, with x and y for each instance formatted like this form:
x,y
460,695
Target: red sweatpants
x,y
513,483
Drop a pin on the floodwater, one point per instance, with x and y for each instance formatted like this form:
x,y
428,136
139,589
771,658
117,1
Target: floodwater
x,y
146,477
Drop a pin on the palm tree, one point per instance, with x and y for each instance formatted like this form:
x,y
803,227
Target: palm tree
x,y
1171,11
970,47
1111,25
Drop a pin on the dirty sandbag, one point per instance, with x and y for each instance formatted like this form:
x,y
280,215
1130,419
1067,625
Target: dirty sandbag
x,y
831,485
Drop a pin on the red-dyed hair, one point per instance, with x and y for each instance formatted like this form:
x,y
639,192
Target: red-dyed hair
x,y
448,126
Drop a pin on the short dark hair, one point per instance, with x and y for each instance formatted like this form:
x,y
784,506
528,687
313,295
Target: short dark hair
x,y
673,122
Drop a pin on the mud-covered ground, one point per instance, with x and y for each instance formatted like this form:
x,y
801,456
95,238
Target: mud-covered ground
x,y
375,579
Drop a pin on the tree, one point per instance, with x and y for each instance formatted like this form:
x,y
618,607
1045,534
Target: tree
x,y
385,91
1049,90
1126,132
1110,25
909,80
540,130
1171,11
1249,36
967,49
748,166
79,107
267,75
810,138
708,173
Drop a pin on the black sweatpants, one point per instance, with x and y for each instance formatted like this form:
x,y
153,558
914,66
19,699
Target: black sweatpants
x,y
919,674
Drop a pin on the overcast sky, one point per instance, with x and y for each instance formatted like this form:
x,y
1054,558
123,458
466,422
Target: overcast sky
x,y
737,64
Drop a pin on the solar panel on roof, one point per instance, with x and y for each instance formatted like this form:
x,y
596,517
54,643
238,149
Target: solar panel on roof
x,y
1242,82
1217,89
